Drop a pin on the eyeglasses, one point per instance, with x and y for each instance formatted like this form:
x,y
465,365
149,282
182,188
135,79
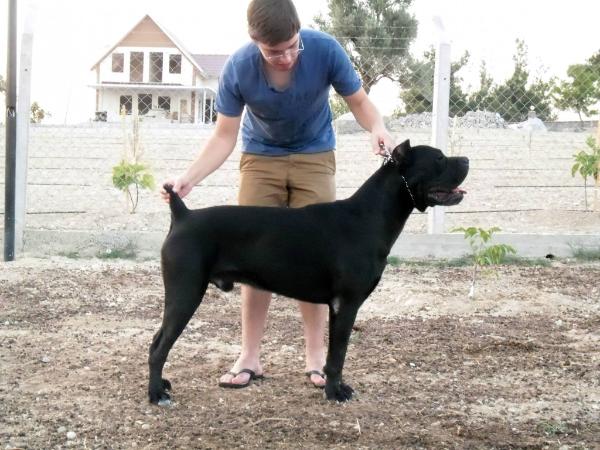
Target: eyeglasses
x,y
291,52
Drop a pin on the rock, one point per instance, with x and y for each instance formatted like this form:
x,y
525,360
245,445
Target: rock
x,y
472,119
71,435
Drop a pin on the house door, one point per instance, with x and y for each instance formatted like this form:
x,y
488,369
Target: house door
x,y
136,67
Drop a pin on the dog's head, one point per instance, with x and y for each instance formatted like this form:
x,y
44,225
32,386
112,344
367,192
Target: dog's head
x,y
431,177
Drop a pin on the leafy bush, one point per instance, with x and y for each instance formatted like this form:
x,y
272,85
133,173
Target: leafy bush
x,y
484,254
588,164
130,175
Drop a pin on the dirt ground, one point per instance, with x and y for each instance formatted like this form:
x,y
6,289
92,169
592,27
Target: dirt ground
x,y
516,367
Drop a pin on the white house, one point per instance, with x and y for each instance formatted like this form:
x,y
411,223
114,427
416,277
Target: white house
x,y
149,73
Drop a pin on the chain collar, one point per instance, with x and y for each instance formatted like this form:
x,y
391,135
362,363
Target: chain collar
x,y
409,191
387,157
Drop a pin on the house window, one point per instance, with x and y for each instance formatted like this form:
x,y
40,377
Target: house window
x,y
210,113
175,64
156,67
125,104
118,62
144,103
136,67
164,103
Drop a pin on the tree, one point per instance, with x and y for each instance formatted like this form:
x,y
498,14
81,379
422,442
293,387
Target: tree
x,y
37,113
582,92
375,33
417,84
484,95
516,97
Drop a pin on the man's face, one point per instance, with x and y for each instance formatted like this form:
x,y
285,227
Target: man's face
x,y
282,56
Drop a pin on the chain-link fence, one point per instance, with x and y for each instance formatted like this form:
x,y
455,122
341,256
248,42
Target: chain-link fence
x,y
151,107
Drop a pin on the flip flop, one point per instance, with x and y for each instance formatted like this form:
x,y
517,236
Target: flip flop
x,y
315,372
230,385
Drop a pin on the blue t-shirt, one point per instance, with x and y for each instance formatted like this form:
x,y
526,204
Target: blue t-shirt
x,y
297,119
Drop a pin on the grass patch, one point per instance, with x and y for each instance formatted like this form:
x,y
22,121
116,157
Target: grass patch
x,y
466,261
553,428
525,262
586,254
455,262
129,251
71,255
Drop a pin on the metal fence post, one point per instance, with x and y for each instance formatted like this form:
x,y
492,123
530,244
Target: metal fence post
x,y
11,125
441,102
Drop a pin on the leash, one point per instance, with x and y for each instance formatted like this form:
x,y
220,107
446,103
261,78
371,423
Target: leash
x,y
387,157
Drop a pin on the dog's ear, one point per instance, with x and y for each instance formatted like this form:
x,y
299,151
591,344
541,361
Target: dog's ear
x,y
401,153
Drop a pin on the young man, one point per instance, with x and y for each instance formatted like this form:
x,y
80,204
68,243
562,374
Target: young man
x,y
283,78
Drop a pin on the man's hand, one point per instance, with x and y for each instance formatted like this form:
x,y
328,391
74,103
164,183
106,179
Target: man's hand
x,y
382,142
180,186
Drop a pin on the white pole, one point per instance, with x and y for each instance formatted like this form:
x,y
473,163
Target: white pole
x,y
23,113
203,106
441,102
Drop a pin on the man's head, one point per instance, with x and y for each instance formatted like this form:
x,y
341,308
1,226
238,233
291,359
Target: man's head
x,y
272,22
274,26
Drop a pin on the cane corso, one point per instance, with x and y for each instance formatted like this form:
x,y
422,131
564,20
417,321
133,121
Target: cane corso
x,y
330,253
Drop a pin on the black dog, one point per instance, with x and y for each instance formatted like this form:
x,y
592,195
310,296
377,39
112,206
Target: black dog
x,y
331,253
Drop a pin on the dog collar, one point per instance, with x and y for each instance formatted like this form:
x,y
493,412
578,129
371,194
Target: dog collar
x,y
409,191
387,157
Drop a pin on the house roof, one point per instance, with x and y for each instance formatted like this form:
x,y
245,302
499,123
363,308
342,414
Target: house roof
x,y
214,63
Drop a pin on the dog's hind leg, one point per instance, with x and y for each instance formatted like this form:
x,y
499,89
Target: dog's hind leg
x,y
181,300
341,320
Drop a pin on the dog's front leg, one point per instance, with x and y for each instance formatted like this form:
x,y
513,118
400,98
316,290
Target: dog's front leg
x,y
341,319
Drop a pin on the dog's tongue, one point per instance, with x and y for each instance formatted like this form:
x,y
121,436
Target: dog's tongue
x,y
459,191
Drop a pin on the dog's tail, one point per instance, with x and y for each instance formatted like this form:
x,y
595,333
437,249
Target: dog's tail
x,y
178,208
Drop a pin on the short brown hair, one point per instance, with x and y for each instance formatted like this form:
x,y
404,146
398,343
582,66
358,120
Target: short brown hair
x,y
272,21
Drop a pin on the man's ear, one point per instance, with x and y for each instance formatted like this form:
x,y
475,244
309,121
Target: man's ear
x,y
400,154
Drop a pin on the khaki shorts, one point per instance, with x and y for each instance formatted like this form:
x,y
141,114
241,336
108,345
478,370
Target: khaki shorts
x,y
293,180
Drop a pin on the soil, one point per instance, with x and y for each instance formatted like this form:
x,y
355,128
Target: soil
x,y
518,366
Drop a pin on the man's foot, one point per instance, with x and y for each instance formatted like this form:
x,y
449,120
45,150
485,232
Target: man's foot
x,y
241,375
316,377
248,374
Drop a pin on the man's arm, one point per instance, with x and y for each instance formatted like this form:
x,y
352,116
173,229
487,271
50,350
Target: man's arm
x,y
214,153
368,117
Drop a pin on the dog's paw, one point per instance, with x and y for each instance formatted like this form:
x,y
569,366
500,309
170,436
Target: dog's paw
x,y
339,392
160,396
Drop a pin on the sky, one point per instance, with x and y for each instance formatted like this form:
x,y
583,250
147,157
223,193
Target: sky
x,y
71,35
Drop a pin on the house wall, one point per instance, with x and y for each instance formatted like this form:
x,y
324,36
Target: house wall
x,y
184,78
110,101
